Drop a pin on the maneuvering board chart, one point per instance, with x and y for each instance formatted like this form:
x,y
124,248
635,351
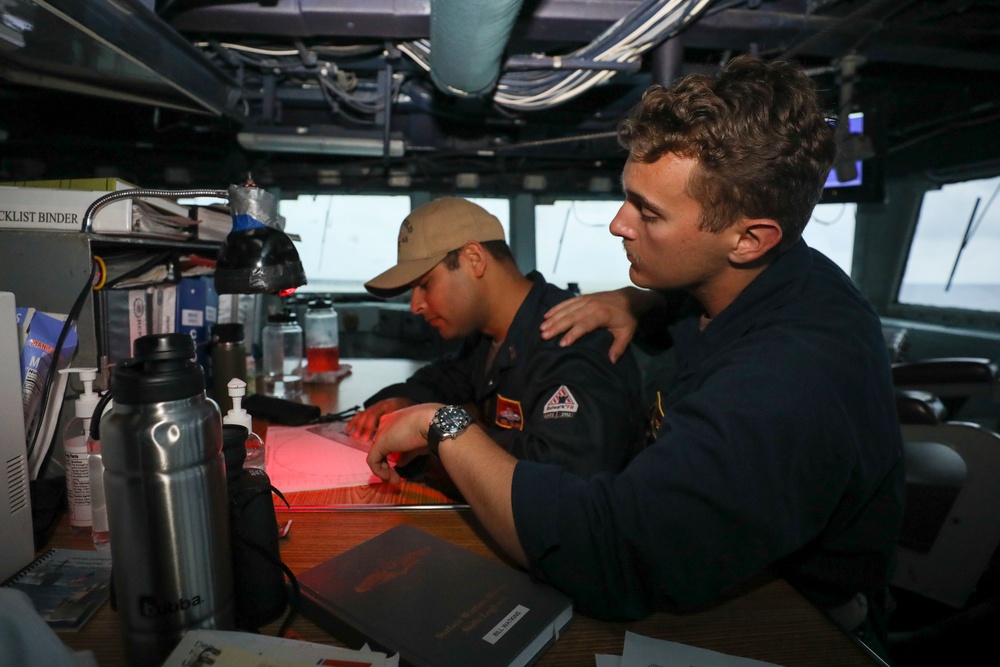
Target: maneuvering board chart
x,y
320,456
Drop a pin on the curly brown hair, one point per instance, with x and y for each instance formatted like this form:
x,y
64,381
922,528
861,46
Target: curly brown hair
x,y
763,146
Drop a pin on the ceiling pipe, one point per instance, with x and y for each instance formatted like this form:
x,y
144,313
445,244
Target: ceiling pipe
x,y
668,59
468,39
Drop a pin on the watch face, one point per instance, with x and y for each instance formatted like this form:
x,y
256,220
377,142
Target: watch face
x,y
448,422
452,419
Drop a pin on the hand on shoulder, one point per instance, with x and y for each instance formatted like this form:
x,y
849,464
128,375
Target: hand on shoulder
x,y
617,311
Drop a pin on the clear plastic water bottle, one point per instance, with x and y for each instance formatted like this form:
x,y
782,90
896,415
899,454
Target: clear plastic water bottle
x,y
282,369
322,340
101,532
165,482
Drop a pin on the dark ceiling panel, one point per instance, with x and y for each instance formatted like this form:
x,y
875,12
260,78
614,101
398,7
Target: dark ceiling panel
x,y
347,67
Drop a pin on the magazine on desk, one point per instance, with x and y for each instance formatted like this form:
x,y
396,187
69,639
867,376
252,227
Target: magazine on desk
x,y
434,603
67,586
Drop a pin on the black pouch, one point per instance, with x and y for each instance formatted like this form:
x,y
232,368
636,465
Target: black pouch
x,y
258,573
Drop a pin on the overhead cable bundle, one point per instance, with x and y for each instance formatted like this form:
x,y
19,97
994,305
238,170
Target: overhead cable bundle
x,y
626,41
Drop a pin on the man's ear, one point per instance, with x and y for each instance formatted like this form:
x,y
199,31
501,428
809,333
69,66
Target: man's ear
x,y
758,237
475,255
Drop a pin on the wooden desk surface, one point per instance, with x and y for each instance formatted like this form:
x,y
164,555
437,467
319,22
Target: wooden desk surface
x,y
770,622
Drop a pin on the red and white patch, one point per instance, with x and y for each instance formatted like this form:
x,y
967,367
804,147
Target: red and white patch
x,y
509,413
562,404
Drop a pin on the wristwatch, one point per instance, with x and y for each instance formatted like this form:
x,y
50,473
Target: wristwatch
x,y
449,421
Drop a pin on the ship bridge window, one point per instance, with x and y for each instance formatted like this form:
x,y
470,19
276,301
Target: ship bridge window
x,y
953,256
349,239
574,245
831,231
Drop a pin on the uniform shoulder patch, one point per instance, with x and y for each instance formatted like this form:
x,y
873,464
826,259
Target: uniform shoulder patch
x,y
561,404
509,413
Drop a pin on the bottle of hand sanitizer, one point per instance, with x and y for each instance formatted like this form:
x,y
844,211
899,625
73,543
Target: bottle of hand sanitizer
x,y
238,415
76,456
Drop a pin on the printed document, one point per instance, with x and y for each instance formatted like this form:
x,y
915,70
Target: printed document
x,y
319,456
640,651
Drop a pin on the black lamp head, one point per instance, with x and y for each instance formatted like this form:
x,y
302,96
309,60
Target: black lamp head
x,y
258,261
257,257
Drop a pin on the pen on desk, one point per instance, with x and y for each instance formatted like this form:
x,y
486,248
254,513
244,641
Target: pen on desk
x,y
338,416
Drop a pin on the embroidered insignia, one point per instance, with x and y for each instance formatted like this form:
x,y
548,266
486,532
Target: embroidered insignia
x,y
509,413
562,404
656,414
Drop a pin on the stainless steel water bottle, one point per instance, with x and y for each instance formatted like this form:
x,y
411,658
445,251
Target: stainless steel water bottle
x,y
165,482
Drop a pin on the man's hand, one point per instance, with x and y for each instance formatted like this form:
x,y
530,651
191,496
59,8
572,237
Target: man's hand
x,y
613,311
364,423
481,469
402,431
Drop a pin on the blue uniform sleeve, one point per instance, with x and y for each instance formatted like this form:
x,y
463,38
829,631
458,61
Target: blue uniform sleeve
x,y
730,487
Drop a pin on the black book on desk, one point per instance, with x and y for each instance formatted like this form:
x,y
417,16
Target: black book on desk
x,y
436,604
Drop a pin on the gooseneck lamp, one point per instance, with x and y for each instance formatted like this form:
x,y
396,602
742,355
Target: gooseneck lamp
x,y
257,257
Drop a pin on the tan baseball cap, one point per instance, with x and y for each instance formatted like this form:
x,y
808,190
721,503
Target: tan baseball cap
x,y
428,234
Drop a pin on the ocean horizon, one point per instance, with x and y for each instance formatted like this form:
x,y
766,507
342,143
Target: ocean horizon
x,y
974,296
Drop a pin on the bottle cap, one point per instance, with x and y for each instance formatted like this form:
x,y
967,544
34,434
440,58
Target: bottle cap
x,y
238,414
85,404
162,369
283,317
228,332
318,304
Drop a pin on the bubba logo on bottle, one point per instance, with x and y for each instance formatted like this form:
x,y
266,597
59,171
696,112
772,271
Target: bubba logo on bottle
x,y
151,607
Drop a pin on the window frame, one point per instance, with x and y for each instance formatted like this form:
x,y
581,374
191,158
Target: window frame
x,y
908,193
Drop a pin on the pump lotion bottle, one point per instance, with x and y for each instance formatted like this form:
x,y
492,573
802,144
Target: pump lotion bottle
x,y
238,415
77,465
